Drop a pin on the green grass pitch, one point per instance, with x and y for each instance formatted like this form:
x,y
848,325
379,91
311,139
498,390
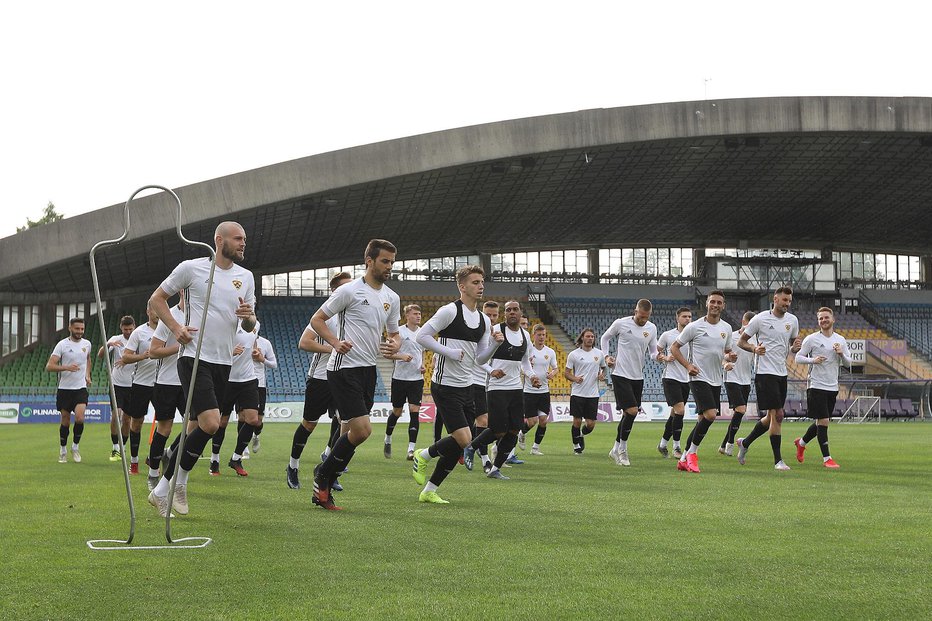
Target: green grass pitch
x,y
569,537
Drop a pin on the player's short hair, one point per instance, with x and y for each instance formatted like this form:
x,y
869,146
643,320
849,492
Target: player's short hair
x,y
376,246
582,333
490,304
126,320
748,316
464,272
336,278
826,309
538,327
718,292
644,305
785,289
683,309
75,320
411,307
519,306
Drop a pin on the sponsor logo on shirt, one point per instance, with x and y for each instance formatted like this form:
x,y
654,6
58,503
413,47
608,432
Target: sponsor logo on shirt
x,y
365,302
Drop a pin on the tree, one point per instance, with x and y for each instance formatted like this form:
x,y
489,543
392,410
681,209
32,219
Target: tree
x,y
48,215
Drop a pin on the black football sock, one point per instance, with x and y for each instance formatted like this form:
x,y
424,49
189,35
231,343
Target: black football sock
x,y
299,441
193,447
539,434
677,428
668,428
135,439
243,438
505,445
577,436
810,433
758,431
114,439
621,425
414,425
628,423
218,440
63,431
438,429
445,465
339,458
482,440
525,428
775,445
822,432
156,449
258,428
334,432
699,432
586,429
733,428
78,431
390,424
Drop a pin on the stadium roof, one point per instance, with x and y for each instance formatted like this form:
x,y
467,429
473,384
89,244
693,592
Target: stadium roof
x,y
800,172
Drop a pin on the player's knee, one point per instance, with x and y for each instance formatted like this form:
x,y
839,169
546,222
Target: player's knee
x,y
309,425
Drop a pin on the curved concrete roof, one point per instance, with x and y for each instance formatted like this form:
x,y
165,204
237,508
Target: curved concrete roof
x,y
843,172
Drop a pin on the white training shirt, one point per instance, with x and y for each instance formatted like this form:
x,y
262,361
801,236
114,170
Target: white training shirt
x,y
243,369
265,346
776,334
409,371
364,313
123,374
318,367
824,376
229,286
72,352
587,364
706,344
138,343
671,370
743,373
167,372
632,342
450,370
512,368
542,360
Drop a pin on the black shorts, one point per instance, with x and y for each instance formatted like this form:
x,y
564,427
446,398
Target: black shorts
x,y
584,407
771,392
820,403
675,391
353,391
455,406
627,392
209,385
67,399
139,400
122,396
262,394
707,396
167,399
738,394
480,398
317,400
506,410
536,404
410,391
240,396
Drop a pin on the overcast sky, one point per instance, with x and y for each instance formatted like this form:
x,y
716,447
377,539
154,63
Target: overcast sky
x,y
100,98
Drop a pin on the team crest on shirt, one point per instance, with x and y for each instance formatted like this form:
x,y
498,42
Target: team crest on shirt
x,y
646,334
84,350
237,283
787,326
386,306
722,334
546,356
596,358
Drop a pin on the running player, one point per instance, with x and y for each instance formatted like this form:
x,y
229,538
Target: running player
x,y
122,383
585,368
709,343
824,351
137,353
537,398
71,359
167,395
464,341
777,332
675,384
366,308
407,381
634,337
317,397
738,377
480,382
231,301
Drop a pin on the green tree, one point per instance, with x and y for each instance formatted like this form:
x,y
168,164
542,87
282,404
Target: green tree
x,y
48,215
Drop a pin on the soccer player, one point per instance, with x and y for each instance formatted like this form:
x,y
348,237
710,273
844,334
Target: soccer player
x,y
777,332
317,397
122,382
506,397
480,382
263,358
366,308
232,298
825,352
537,398
675,384
136,353
71,359
167,394
407,381
242,395
709,342
634,337
738,377
464,341
585,368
